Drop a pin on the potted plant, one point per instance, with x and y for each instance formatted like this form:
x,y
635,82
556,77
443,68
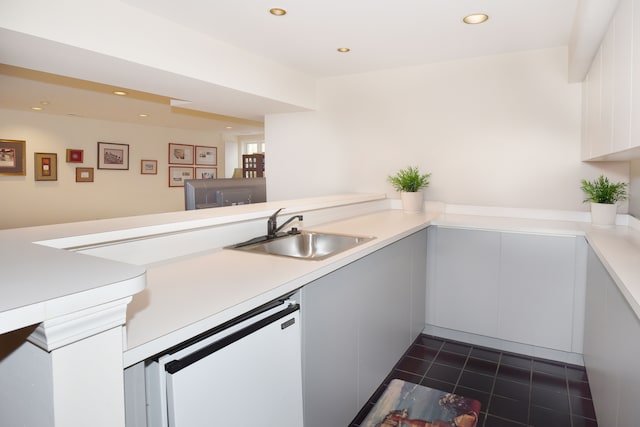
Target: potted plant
x,y
603,196
409,182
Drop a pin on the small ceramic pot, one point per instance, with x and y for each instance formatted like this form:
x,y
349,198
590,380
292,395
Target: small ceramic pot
x,y
412,202
603,213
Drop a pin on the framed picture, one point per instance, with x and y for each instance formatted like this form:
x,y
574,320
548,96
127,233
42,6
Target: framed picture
x,y
12,157
46,166
84,174
177,175
149,167
113,156
180,154
206,155
75,156
206,173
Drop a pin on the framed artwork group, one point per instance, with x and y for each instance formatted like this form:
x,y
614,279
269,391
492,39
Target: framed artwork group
x,y
191,162
185,162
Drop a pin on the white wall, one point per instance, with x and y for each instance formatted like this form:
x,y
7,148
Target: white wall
x,y
113,193
494,131
231,157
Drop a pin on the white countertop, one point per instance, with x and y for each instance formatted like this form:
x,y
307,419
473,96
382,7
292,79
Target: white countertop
x,y
39,283
40,280
191,294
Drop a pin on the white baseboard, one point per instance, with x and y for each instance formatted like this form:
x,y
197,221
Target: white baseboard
x,y
499,344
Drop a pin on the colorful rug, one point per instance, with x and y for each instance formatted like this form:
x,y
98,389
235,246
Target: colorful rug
x,y
404,404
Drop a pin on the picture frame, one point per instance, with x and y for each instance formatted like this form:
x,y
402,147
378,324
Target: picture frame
x,y
46,166
207,156
113,156
206,173
180,154
148,167
75,156
84,174
13,157
177,175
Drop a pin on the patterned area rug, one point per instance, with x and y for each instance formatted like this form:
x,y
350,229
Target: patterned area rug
x,y
404,404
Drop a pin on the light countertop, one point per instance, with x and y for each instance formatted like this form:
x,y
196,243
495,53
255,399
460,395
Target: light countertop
x,y
190,295
187,295
222,284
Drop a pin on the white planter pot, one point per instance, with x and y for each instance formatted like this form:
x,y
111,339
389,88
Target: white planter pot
x,y
603,213
412,202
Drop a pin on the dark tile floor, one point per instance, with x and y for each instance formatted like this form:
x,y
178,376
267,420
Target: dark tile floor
x,y
514,390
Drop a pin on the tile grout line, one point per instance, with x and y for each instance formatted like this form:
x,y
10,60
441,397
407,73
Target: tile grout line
x,y
568,386
424,376
466,360
493,386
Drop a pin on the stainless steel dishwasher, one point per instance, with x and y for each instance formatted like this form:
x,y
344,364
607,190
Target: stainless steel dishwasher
x,y
247,372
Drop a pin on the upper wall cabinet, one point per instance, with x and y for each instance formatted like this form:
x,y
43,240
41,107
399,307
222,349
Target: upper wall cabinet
x,y
611,102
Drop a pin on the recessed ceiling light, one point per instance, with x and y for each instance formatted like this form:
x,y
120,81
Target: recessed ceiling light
x,y
120,93
476,18
37,108
277,11
343,49
44,102
143,115
228,127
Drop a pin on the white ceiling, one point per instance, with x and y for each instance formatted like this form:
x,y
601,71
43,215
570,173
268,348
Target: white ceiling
x,y
23,89
381,35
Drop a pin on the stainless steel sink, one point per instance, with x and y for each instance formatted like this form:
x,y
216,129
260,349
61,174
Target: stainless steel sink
x,y
305,245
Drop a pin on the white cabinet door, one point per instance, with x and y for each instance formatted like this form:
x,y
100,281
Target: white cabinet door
x,y
464,287
635,84
592,97
536,290
622,69
604,143
611,100
255,380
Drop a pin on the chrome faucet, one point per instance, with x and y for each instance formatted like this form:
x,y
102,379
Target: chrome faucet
x,y
272,224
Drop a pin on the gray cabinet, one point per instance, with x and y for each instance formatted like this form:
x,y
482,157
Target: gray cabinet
x,y
464,270
522,288
356,323
536,290
611,348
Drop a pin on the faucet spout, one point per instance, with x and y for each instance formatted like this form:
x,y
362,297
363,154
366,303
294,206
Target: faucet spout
x,y
272,224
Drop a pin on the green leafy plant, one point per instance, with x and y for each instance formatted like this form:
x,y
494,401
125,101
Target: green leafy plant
x,y
603,191
409,180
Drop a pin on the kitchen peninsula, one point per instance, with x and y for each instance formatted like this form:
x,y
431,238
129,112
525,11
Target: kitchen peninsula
x,y
62,275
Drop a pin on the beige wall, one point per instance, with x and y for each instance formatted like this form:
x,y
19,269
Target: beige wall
x,y
113,193
494,131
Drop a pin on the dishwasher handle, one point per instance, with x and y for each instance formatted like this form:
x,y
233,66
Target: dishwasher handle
x,y
179,364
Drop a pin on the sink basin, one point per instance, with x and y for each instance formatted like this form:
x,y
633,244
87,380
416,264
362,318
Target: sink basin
x,y
305,245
